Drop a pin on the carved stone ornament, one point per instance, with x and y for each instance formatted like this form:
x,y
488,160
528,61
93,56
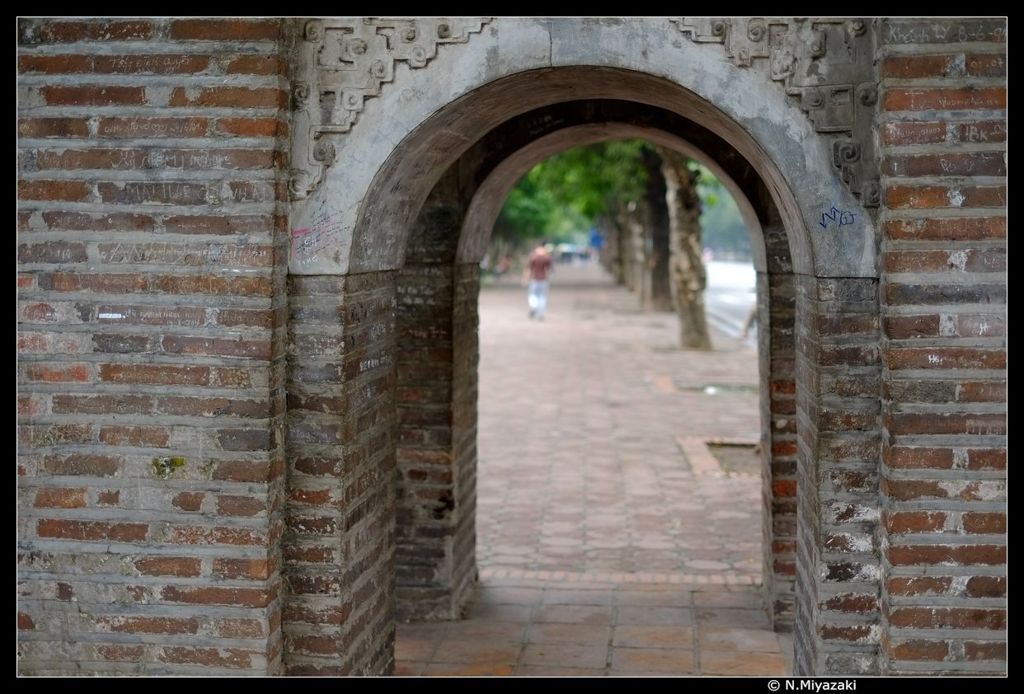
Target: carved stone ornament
x,y
342,63
826,65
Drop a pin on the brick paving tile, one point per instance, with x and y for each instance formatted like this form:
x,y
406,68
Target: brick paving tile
x,y
741,663
577,597
737,639
414,649
652,661
676,616
483,650
650,598
724,616
591,640
573,614
657,636
568,633
485,630
497,669
566,654
547,671
408,668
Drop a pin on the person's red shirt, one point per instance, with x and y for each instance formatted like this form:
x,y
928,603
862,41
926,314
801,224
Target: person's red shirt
x,y
540,266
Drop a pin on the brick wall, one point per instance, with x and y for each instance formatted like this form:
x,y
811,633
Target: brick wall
x,y
838,441
776,314
150,390
156,531
437,359
943,140
339,543
465,396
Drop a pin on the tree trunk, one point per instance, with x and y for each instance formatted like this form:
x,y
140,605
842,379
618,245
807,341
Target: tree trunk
x,y
611,257
626,255
657,224
638,248
689,277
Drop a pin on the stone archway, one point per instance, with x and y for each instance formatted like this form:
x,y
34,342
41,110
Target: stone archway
x,y
495,75
178,516
350,246
437,288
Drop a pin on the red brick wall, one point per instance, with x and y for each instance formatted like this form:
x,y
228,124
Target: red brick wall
x,y
838,569
150,295
339,543
776,350
942,134
426,501
437,377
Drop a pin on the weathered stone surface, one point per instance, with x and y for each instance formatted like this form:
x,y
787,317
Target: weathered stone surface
x,y
518,64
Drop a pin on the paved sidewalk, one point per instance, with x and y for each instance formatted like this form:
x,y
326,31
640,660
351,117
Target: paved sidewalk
x,y
571,629
580,467
609,539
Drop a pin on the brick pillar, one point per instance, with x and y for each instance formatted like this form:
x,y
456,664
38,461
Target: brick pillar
x,y
943,133
437,361
339,542
776,345
150,378
465,382
838,426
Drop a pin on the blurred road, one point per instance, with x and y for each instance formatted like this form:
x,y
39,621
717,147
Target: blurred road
x,y
729,296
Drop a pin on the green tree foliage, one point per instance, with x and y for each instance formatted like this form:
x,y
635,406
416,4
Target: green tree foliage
x,y
565,194
568,193
534,210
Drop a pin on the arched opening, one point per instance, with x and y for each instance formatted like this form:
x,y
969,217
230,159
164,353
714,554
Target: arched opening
x,y
418,234
438,287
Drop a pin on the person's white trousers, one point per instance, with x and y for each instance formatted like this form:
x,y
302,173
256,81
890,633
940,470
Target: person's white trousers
x,y
538,297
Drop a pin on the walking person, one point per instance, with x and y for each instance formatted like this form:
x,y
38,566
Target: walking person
x,y
535,277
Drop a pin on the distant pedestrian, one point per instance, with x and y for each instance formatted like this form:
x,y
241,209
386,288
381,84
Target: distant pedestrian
x,y
535,277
